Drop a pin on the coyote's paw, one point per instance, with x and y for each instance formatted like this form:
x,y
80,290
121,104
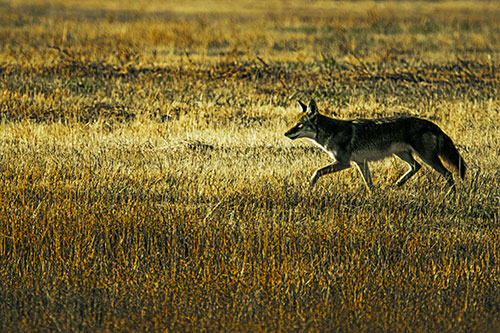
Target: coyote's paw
x,y
314,179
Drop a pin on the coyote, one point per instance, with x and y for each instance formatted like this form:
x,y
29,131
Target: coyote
x,y
364,140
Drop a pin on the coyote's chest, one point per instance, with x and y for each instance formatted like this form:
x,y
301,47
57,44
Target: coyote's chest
x,y
331,152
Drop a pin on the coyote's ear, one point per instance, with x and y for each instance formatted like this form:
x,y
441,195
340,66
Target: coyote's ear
x,y
313,108
303,106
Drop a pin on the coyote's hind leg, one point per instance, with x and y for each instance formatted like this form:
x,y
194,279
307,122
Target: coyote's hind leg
x,y
414,167
433,160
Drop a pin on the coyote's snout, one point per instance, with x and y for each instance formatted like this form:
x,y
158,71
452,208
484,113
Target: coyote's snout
x,y
364,140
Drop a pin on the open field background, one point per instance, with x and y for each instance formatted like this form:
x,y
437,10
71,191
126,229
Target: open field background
x,y
145,182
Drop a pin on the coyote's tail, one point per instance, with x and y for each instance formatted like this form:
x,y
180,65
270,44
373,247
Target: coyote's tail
x,y
449,153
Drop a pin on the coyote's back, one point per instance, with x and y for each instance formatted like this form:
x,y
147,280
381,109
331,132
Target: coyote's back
x,y
364,140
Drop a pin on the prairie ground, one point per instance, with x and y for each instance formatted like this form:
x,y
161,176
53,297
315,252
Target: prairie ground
x,y
145,182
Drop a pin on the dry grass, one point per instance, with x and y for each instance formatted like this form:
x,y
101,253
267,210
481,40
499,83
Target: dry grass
x,y
145,182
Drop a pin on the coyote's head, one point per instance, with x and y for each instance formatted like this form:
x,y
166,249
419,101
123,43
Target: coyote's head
x,y
306,127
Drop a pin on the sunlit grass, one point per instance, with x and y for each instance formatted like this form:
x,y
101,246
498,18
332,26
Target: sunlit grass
x,y
146,184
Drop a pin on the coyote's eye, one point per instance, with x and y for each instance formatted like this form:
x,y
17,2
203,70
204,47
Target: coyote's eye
x,y
300,125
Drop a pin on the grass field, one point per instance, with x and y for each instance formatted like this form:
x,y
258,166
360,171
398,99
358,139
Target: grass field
x,y
146,184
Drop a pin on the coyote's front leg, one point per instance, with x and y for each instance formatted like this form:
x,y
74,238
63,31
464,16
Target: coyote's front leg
x,y
365,173
337,166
